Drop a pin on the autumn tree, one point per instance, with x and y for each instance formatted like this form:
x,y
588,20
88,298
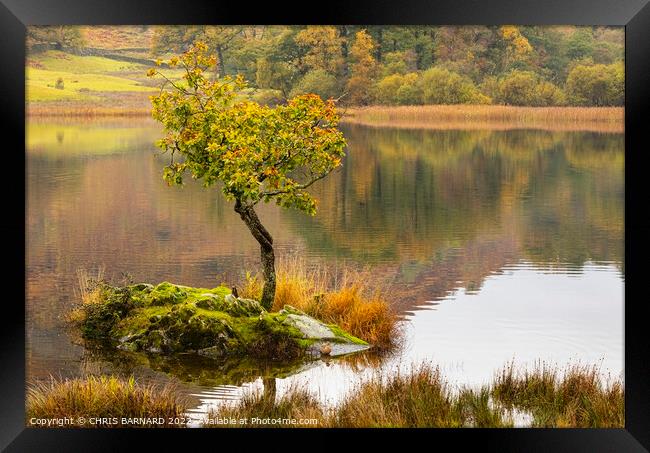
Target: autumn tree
x,y
319,82
324,48
399,89
256,153
526,88
597,84
363,69
58,36
442,86
178,38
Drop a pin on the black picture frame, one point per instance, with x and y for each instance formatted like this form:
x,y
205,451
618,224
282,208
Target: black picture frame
x,y
15,15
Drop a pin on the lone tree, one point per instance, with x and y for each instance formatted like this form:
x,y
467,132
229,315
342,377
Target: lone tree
x,y
255,152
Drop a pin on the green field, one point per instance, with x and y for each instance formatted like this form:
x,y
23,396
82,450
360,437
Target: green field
x,y
84,77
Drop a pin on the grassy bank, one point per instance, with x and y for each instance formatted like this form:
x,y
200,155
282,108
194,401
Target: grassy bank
x,y
106,397
495,117
574,397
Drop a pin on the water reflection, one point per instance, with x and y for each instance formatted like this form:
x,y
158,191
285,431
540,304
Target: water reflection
x,y
441,215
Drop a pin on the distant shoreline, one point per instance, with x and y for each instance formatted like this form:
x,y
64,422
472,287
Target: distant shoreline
x,y
493,117
440,117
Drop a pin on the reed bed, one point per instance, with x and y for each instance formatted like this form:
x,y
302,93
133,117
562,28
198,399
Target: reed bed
x,y
419,399
264,410
573,397
576,396
90,111
105,397
494,117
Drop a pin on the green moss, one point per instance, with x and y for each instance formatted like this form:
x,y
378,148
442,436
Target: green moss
x,y
139,320
345,336
166,294
169,318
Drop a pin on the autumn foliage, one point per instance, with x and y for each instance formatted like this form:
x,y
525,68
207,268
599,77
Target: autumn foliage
x,y
256,153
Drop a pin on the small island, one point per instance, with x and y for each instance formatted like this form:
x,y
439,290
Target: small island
x,y
169,319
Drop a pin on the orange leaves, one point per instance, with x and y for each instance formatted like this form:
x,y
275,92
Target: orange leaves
x,y
270,172
258,153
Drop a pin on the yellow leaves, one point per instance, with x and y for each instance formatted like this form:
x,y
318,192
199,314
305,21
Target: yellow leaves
x,y
252,149
323,44
158,62
272,171
151,72
509,31
199,46
518,44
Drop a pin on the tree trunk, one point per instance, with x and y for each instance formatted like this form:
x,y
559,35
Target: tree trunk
x,y
221,67
263,237
270,390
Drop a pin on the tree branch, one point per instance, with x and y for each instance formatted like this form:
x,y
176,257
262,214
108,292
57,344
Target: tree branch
x,y
298,187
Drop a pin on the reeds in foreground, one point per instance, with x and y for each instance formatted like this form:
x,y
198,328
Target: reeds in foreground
x,y
106,399
296,408
421,398
576,397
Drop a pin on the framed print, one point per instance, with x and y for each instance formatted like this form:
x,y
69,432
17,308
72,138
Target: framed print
x,y
424,217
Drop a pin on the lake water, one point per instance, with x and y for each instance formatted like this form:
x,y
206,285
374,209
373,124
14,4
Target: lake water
x,y
498,245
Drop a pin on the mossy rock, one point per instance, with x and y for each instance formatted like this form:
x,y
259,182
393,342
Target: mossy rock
x,y
169,319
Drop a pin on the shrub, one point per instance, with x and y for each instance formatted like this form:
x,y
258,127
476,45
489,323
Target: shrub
x,y
398,62
267,97
317,81
387,87
598,85
409,94
442,86
59,85
526,88
399,89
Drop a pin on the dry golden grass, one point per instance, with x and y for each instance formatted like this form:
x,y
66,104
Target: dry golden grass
x,y
86,111
573,397
494,117
103,397
420,398
576,397
89,293
88,285
344,298
297,404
